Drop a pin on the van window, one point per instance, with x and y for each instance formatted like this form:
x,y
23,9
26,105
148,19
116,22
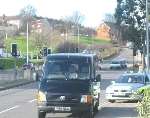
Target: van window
x,y
62,69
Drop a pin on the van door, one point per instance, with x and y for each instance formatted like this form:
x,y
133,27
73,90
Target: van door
x,y
97,81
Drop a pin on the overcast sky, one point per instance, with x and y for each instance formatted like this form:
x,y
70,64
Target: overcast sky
x,y
93,10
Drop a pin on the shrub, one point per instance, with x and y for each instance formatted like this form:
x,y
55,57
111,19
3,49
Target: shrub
x,y
9,63
69,47
144,106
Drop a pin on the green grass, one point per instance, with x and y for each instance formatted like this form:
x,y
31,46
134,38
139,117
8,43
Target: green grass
x,y
91,40
21,43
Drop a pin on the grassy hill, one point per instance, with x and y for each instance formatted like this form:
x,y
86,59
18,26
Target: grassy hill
x,y
21,42
92,40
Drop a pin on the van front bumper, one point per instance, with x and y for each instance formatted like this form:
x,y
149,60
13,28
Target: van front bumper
x,y
130,96
63,107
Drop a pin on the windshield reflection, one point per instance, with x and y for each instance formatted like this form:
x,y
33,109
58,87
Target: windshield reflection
x,y
131,79
67,70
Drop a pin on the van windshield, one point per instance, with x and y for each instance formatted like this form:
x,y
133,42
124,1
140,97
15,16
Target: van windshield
x,y
64,69
131,79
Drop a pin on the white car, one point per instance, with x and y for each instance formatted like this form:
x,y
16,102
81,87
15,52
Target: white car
x,y
118,64
126,86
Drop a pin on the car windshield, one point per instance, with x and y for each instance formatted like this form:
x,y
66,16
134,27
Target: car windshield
x,y
131,79
62,69
115,62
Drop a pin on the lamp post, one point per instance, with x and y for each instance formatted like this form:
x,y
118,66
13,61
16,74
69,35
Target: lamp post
x,y
147,35
78,36
27,43
76,29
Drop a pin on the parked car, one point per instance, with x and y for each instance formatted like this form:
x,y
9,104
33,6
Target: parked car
x,y
126,86
28,66
118,64
70,83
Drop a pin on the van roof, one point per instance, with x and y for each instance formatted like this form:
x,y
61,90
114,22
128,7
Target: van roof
x,y
70,55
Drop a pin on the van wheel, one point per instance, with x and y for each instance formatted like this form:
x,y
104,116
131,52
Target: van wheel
x,y
89,114
41,114
112,101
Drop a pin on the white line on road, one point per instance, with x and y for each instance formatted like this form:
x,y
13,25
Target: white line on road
x,y
9,109
32,100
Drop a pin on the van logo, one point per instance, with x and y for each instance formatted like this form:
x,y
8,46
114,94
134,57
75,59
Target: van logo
x,y
62,98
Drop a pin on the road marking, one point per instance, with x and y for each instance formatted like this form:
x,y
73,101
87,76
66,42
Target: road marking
x,y
6,110
32,100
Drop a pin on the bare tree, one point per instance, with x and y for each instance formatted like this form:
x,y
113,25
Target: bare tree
x,y
76,18
27,14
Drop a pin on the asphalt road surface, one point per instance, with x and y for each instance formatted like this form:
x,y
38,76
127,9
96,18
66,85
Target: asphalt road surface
x,y
21,102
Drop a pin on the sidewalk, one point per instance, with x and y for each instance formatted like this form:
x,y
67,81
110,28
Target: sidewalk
x,y
7,84
21,78
8,80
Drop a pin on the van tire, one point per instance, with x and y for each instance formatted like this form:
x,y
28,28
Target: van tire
x,y
89,114
41,114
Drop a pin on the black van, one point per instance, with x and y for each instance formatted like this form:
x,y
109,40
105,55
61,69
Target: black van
x,y
70,83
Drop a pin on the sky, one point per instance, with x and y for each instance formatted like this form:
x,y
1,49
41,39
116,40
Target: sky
x,y
93,10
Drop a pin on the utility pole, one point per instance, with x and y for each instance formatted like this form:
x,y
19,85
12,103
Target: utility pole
x,y
78,37
147,35
27,43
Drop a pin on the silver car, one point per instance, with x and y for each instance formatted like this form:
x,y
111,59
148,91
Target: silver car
x,y
118,64
126,86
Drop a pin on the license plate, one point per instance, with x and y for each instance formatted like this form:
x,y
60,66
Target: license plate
x,y
62,109
120,94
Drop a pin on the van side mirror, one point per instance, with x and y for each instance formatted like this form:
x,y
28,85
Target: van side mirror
x,y
98,78
112,82
37,76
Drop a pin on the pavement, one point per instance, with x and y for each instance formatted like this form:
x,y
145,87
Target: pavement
x,y
7,80
7,84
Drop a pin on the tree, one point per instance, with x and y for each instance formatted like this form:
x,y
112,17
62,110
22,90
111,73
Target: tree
x,y
131,14
76,18
74,21
27,14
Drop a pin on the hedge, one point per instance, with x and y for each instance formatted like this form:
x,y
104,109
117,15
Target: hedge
x,y
9,63
144,106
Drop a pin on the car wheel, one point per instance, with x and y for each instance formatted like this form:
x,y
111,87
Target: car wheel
x,y
97,104
96,108
41,114
89,114
111,101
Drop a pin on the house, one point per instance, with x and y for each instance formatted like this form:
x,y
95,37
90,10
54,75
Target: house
x,y
10,21
103,31
40,25
14,20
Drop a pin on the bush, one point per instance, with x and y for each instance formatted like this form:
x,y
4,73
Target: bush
x,y
9,63
69,47
144,106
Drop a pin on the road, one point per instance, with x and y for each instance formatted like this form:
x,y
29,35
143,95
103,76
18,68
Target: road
x,y
21,102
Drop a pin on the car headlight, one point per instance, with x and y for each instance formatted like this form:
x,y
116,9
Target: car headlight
x,y
41,97
109,90
86,99
133,91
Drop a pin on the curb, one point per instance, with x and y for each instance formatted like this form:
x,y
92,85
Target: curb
x,y
17,85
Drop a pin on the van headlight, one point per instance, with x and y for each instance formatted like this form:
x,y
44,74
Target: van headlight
x,y
41,97
86,99
133,91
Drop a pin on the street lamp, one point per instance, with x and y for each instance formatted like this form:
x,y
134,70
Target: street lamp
x,y
27,43
78,36
147,35
78,33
